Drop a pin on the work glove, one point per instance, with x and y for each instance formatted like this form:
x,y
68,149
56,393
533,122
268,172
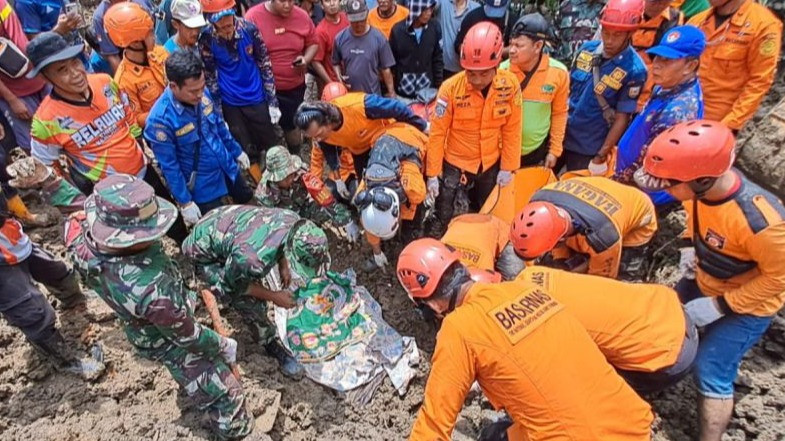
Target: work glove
x,y
598,169
228,349
275,114
504,178
28,172
380,260
342,189
703,311
191,213
687,263
433,191
244,161
352,232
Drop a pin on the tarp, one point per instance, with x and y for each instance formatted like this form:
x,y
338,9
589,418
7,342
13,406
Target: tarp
x,y
506,202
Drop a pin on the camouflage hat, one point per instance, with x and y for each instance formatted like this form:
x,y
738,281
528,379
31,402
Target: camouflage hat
x,y
123,211
281,163
306,249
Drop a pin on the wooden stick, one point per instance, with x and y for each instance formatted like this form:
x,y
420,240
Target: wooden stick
x,y
218,325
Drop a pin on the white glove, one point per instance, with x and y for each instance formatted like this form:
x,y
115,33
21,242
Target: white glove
x,y
433,191
275,114
703,311
244,161
229,349
191,213
504,178
380,260
352,232
428,128
342,190
688,263
598,169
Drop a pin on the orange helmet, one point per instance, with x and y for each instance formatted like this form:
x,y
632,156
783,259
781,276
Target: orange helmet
x,y
686,152
482,47
537,229
622,15
127,22
484,276
422,264
333,90
213,6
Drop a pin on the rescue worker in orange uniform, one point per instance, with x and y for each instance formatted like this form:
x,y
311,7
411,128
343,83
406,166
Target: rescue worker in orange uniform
x,y
545,86
141,72
475,140
505,336
393,189
340,176
609,222
484,243
734,277
641,328
353,121
659,16
737,68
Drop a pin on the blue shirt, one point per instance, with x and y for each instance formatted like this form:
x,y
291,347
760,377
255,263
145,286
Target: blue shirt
x,y
451,24
163,23
38,15
174,130
621,80
665,109
98,64
171,46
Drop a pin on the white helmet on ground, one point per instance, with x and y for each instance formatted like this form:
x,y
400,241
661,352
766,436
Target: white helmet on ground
x,y
380,216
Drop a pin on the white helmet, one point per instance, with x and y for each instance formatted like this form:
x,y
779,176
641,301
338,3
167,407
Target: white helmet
x,y
380,217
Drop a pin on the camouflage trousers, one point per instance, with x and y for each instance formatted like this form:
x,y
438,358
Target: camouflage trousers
x,y
209,383
254,313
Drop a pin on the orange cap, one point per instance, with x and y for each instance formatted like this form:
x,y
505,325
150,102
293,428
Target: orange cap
x,y
127,22
422,264
213,6
537,229
482,47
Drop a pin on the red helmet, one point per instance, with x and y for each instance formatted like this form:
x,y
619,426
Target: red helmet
x,y
482,47
213,6
422,264
127,22
622,15
691,150
484,276
333,90
537,229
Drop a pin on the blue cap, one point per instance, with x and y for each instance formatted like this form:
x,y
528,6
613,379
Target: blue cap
x,y
496,8
680,42
221,14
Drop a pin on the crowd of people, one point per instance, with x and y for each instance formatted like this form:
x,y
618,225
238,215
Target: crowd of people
x,y
188,118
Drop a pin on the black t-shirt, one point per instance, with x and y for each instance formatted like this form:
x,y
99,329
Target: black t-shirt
x,y
477,15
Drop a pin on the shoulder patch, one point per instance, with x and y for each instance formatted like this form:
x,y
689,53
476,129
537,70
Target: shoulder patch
x,y
768,48
761,208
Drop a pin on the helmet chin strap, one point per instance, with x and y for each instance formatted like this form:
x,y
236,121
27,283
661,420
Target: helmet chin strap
x,y
701,186
459,277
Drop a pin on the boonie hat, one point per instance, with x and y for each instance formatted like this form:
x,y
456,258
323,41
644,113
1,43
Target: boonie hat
x,y
281,163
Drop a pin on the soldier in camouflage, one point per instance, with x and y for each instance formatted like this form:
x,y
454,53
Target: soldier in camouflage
x,y
286,183
578,22
120,255
234,248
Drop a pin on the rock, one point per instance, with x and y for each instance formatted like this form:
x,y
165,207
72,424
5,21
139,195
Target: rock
x,y
762,154
265,406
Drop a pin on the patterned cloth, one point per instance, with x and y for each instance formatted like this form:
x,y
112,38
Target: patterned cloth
x,y
147,293
578,22
413,82
416,8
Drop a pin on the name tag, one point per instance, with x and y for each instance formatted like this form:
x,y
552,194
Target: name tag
x,y
521,316
188,128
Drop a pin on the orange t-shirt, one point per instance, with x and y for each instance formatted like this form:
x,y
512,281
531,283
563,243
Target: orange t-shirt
x,y
385,25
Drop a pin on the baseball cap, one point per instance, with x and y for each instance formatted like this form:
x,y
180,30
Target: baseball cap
x,y
50,47
189,13
356,10
680,42
496,8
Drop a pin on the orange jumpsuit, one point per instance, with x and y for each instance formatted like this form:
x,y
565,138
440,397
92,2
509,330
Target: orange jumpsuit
x,y
358,132
737,68
647,36
740,249
470,131
345,164
608,215
479,238
533,359
637,326
143,84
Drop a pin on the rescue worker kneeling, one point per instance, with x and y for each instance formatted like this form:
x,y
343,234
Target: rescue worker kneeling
x,y
609,222
529,355
393,188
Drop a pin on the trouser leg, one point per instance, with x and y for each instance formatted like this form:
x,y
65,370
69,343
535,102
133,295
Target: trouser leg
x,y
254,314
58,278
484,183
449,185
23,306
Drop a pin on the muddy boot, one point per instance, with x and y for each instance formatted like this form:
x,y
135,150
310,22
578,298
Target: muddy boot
x,y
63,357
289,366
18,208
68,292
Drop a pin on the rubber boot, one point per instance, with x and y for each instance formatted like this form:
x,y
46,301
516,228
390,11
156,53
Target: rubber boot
x,y
18,208
256,172
64,358
289,366
68,291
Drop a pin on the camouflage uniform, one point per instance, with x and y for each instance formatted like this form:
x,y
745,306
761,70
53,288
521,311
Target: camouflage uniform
x,y
578,22
146,291
316,203
236,245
